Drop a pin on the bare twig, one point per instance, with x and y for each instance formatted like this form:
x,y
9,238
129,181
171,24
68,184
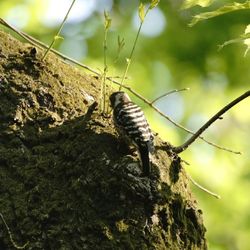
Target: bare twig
x,y
57,36
36,42
168,93
121,44
107,24
142,16
10,235
217,116
202,188
172,121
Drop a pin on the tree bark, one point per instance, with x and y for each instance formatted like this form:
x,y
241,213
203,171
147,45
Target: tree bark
x,y
64,182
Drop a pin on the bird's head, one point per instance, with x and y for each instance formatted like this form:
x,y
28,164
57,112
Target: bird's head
x,y
118,97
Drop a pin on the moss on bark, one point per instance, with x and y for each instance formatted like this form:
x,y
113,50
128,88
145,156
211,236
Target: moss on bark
x,y
64,184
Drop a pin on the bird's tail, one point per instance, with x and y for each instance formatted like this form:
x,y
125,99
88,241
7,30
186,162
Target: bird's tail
x,y
144,155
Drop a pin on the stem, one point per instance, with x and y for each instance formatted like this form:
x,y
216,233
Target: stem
x,y
59,31
132,51
209,122
105,69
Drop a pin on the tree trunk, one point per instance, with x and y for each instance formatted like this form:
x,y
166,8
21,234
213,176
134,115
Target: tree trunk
x,y
64,182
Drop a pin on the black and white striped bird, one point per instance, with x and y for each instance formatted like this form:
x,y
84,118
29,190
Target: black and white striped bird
x,y
132,125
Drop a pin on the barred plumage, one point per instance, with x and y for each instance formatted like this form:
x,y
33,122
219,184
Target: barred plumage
x,y
130,122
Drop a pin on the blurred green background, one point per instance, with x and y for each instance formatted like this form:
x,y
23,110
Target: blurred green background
x,y
170,55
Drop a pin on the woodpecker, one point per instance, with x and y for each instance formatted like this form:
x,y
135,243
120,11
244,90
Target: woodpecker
x,y
132,125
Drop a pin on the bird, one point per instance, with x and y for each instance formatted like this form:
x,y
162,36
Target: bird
x,y
131,124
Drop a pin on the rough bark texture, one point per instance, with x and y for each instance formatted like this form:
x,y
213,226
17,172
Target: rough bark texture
x,y
64,184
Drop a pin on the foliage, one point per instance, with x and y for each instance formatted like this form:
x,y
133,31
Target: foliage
x,y
247,38
190,3
221,11
243,38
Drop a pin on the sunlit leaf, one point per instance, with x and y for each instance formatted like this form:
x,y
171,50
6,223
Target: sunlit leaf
x,y
142,12
128,60
58,37
236,40
107,22
121,42
223,10
190,3
245,38
247,41
154,3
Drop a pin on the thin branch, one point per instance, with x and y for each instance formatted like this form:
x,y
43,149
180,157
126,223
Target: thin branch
x,y
107,24
168,93
59,31
172,121
133,49
130,58
10,235
209,122
117,77
36,42
202,188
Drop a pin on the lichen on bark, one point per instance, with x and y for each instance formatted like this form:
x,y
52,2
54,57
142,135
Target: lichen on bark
x,y
64,184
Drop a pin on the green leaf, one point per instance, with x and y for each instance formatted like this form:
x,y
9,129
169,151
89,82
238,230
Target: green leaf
x,y
223,10
245,38
142,12
190,3
121,42
128,60
58,37
154,3
107,22
247,41
236,40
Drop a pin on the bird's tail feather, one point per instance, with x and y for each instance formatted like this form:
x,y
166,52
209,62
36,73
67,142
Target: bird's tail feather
x,y
144,155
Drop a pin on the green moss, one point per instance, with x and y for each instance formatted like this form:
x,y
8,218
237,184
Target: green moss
x,y
122,226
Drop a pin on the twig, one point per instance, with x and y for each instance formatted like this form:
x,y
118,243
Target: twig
x,y
117,77
134,45
202,188
10,235
35,42
121,44
107,24
184,146
168,93
57,36
142,15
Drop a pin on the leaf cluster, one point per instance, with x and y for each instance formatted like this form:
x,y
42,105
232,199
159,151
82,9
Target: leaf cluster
x,y
228,8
